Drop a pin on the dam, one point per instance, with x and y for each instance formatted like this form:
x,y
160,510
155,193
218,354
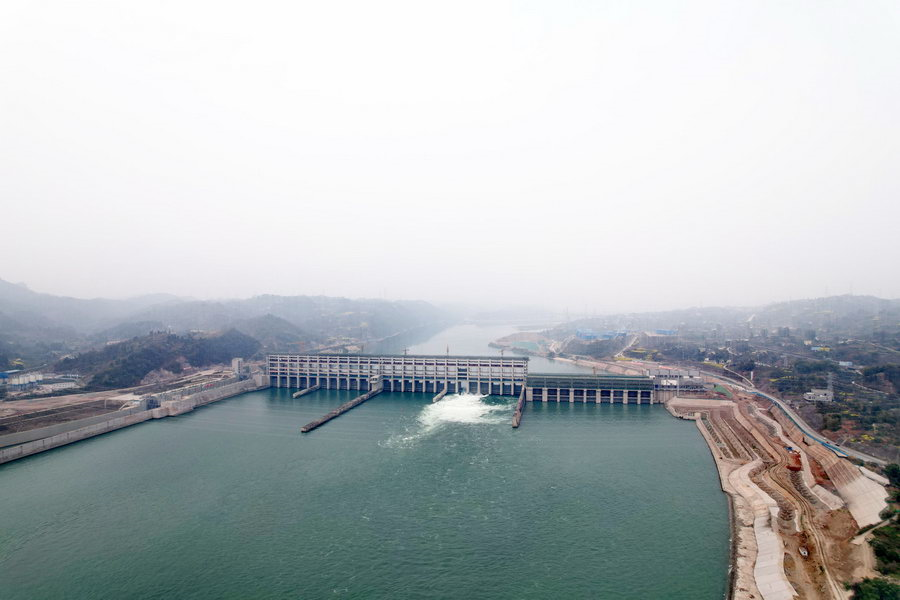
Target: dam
x,y
435,374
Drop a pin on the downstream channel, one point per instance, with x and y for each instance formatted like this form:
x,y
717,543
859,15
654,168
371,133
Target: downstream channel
x,y
400,498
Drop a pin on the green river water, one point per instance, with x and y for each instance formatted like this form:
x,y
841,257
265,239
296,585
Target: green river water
x,y
400,498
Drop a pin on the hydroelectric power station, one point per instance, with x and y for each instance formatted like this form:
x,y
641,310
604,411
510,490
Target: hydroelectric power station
x,y
440,375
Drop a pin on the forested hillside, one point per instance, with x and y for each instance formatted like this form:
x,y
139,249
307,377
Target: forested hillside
x,y
125,364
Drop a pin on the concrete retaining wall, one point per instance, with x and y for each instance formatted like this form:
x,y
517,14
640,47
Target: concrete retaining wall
x,y
61,439
171,408
74,431
22,437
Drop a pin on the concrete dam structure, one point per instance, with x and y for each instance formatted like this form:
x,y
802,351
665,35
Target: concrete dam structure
x,y
558,387
434,374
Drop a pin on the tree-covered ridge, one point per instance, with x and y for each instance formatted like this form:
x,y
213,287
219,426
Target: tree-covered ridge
x,y
125,364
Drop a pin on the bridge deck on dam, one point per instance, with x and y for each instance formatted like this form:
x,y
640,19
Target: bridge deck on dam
x,y
494,375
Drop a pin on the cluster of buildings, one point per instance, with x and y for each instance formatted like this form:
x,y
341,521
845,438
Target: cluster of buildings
x,y
17,380
22,381
590,335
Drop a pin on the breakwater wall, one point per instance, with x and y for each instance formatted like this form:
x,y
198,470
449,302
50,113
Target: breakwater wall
x,y
340,410
74,435
26,443
520,408
308,390
23,437
184,404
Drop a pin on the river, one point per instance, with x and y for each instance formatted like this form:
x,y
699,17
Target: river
x,y
400,498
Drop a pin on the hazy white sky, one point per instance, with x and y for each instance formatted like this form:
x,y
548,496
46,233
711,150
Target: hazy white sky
x,y
599,155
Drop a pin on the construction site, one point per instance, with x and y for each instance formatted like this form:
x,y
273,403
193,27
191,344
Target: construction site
x,y
797,506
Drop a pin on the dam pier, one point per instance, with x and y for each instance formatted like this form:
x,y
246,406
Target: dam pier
x,y
374,391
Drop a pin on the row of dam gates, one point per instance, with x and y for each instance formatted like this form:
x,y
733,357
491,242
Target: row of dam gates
x,y
434,374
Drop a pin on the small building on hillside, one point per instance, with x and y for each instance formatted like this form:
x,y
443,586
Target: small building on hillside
x,y
819,395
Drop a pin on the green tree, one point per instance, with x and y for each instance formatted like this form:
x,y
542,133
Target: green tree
x,y
875,589
886,545
832,421
892,472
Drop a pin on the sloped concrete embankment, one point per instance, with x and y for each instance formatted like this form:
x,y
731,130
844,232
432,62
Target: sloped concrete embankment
x,y
768,568
742,583
865,497
77,434
808,480
757,560
185,404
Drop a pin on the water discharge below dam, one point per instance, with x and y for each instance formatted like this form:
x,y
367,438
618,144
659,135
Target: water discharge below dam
x,y
401,498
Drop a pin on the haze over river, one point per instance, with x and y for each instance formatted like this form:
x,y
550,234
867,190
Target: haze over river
x,y
399,498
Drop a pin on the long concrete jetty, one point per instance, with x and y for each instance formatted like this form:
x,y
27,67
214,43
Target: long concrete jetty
x,y
440,395
341,410
306,391
520,406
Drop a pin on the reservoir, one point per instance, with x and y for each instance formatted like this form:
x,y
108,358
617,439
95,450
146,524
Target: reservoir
x,y
400,498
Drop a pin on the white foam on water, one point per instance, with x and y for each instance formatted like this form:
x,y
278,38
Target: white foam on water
x,y
460,408
469,409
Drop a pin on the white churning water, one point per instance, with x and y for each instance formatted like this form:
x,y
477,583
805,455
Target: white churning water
x,y
467,409
461,408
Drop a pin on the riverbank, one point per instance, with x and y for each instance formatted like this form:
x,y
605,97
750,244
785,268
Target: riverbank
x,y
616,367
792,532
744,549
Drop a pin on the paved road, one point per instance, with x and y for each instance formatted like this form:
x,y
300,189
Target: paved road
x,y
630,344
803,425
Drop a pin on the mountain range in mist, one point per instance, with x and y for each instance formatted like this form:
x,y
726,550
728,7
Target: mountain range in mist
x,y
42,327
38,326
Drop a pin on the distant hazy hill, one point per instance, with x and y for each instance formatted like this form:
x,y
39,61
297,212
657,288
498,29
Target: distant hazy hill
x,y
849,315
32,309
315,316
842,315
277,334
37,326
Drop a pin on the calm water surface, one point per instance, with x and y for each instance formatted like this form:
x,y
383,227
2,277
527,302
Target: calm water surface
x,y
400,498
